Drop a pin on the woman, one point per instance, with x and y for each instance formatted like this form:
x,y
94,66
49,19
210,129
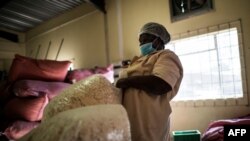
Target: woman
x,y
149,83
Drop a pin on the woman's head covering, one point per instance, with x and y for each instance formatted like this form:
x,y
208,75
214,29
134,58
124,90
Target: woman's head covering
x,y
156,30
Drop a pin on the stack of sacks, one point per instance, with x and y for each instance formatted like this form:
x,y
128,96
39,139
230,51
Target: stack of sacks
x,y
86,111
93,90
32,84
98,122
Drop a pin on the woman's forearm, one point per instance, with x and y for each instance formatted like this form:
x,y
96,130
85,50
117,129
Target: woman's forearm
x,y
151,84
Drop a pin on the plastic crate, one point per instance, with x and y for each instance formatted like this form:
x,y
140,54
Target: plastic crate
x,y
187,135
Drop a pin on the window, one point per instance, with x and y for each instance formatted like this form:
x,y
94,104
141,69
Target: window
x,y
183,9
213,63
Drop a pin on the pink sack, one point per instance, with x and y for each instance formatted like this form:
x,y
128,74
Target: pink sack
x,y
28,68
28,108
19,128
25,88
107,72
78,74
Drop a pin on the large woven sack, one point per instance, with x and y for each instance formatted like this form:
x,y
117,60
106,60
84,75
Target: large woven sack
x,y
93,90
107,122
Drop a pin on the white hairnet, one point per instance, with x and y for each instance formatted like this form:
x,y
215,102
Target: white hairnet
x,y
156,30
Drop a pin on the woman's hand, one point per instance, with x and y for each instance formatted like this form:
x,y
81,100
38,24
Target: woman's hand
x,y
121,83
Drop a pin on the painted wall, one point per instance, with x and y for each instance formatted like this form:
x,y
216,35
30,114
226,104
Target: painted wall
x,y
8,49
126,18
78,36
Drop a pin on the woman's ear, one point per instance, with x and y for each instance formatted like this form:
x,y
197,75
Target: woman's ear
x,y
158,44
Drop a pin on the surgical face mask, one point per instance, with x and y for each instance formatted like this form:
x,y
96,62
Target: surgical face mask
x,y
147,48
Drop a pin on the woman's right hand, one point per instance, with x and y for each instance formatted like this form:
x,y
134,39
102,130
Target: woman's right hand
x,y
121,83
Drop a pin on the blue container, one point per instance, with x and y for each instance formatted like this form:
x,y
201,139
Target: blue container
x,y
187,135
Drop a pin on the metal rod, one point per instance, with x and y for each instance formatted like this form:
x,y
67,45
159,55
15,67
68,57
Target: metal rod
x,y
59,49
31,52
46,56
106,39
38,50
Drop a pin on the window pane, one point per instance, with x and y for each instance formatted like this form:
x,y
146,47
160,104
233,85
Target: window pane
x,y
223,39
193,44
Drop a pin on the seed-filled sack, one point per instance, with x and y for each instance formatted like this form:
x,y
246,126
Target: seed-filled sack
x,y
107,122
93,90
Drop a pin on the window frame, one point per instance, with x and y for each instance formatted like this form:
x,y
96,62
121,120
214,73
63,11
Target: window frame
x,y
219,101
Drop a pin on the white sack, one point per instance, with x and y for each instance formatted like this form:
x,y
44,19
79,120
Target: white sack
x,y
93,90
92,123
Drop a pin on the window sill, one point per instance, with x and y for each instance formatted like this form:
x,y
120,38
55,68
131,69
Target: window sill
x,y
211,103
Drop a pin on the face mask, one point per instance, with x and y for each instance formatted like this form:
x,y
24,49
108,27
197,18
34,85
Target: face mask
x,y
147,48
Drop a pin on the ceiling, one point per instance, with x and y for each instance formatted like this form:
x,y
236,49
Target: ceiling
x,y
22,15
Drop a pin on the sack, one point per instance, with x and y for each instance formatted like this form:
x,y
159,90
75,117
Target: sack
x,y
93,90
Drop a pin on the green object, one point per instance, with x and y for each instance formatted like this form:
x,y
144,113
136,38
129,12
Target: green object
x,y
187,135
